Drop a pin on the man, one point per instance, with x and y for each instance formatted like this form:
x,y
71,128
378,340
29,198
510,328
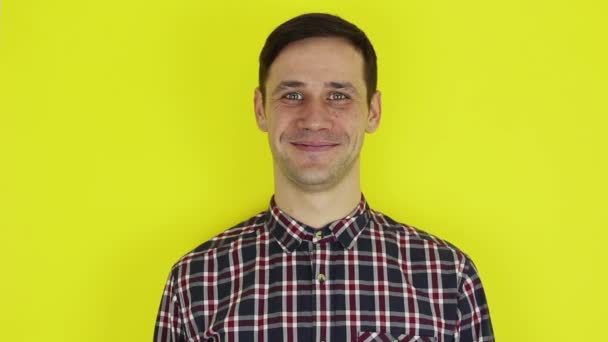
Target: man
x,y
319,264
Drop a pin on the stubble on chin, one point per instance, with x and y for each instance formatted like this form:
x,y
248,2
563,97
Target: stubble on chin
x,y
315,176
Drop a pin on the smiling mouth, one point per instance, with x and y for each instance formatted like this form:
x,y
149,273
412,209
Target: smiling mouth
x,y
314,146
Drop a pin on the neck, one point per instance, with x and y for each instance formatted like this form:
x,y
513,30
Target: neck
x,y
319,207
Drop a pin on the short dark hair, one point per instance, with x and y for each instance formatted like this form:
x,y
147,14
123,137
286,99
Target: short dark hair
x,y
319,25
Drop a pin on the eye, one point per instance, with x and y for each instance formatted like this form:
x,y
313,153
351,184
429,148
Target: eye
x,y
293,96
337,96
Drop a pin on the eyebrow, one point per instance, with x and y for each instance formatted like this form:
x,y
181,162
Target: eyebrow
x,y
288,84
299,84
342,85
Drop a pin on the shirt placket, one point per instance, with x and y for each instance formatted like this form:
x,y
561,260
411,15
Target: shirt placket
x,y
319,257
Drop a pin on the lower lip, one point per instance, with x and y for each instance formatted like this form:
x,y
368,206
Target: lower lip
x,y
313,148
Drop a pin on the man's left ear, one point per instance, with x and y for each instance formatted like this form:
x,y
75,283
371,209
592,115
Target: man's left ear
x,y
375,112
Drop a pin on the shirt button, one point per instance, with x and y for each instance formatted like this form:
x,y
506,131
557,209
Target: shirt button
x,y
318,235
321,278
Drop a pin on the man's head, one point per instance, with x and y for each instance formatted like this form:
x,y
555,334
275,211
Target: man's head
x,y
315,101
312,25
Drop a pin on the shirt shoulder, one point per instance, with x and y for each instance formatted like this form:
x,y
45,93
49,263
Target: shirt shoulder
x,y
419,237
244,233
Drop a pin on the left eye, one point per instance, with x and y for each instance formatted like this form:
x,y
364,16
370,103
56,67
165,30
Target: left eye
x,y
337,96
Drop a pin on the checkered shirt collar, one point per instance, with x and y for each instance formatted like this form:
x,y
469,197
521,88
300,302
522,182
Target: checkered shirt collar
x,y
290,233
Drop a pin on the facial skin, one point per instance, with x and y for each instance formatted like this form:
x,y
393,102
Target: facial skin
x,y
316,113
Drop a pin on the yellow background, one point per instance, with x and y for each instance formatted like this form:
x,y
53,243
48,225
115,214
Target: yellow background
x,y
127,137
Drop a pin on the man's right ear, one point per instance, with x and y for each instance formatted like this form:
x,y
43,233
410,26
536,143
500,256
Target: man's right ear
x,y
260,114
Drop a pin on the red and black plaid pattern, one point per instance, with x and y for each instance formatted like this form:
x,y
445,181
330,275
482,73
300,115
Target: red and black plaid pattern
x,y
362,278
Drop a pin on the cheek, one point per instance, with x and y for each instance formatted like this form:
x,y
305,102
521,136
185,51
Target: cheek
x,y
277,127
350,121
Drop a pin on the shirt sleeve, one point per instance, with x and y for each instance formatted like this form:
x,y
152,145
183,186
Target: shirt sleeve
x,y
169,322
474,324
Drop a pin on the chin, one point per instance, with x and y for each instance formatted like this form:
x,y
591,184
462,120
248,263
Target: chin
x,y
313,175
313,178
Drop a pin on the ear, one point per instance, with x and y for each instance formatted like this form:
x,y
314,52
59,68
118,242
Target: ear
x,y
258,107
375,113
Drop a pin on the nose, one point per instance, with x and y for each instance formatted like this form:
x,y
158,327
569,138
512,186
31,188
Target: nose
x,y
315,116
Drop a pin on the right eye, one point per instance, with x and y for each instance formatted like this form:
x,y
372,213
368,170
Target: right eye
x,y
293,96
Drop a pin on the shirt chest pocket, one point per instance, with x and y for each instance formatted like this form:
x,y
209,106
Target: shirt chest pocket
x,y
369,336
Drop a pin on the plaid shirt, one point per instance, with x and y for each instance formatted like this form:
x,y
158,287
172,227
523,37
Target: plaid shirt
x,y
364,277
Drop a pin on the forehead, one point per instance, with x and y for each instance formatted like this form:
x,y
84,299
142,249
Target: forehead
x,y
319,59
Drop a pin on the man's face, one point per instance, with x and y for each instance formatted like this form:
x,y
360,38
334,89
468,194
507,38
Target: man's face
x,y
316,111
